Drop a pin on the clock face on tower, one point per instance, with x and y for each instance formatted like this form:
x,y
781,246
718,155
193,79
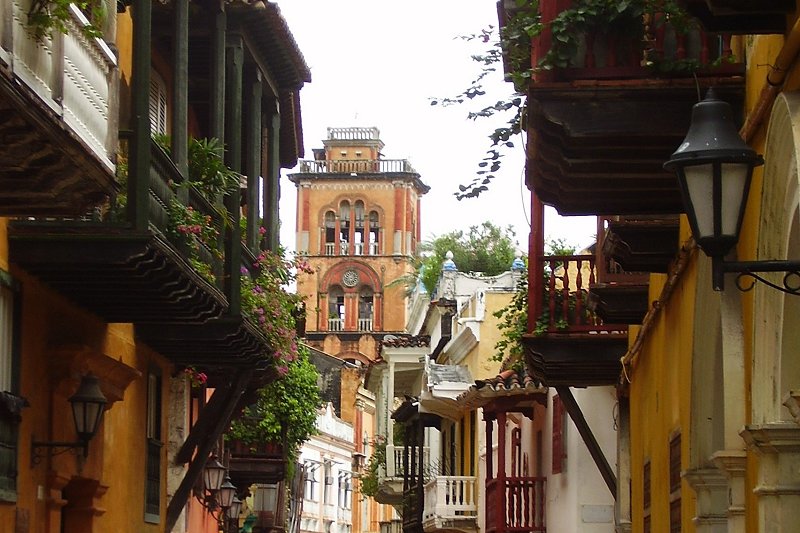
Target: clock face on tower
x,y
350,278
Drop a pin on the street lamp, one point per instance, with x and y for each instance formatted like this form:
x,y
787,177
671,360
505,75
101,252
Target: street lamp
x,y
213,474
714,167
88,404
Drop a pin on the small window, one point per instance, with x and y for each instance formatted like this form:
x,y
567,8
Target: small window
x,y
158,104
11,406
343,153
675,484
152,499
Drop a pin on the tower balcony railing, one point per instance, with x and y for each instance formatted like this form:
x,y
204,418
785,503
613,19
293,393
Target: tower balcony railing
x,y
350,166
364,324
354,134
330,248
335,324
358,248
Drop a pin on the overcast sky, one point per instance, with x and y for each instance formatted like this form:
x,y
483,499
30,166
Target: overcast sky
x,y
379,63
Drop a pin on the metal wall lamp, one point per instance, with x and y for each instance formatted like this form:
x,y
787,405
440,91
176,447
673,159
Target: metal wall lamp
x,y
88,404
714,167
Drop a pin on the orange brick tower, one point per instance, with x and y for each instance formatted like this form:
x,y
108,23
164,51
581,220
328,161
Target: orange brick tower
x,y
358,221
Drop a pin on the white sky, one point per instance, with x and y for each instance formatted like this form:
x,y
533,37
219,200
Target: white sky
x,y
378,63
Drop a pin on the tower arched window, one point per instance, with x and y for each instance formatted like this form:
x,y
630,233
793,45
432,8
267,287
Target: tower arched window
x,y
366,299
344,227
336,310
330,233
358,235
374,233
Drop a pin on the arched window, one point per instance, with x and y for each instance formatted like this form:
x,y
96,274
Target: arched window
x,y
336,309
374,233
344,227
358,236
330,233
365,309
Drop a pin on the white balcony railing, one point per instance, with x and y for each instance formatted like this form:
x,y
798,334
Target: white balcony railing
x,y
364,324
373,248
394,460
345,516
335,324
349,166
450,498
73,75
330,248
358,248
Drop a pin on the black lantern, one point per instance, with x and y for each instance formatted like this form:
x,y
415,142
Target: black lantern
x,y
88,404
213,474
235,508
226,493
714,167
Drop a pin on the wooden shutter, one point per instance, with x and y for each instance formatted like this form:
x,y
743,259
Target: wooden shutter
x,y
558,435
158,104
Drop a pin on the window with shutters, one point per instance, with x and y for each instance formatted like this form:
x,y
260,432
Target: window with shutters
x,y
10,403
152,500
646,496
158,104
559,434
675,484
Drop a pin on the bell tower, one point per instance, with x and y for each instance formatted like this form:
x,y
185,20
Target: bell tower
x,y
358,223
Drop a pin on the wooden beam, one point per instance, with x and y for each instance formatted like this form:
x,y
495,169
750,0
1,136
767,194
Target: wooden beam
x,y
212,422
585,431
234,69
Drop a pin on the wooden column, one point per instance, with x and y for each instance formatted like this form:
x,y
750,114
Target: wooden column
x,y
253,151
272,184
180,90
217,89
535,265
501,472
488,418
234,64
139,161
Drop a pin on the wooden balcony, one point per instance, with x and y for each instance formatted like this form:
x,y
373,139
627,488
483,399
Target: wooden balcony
x,y
516,504
57,117
263,463
735,16
451,502
568,343
145,276
601,126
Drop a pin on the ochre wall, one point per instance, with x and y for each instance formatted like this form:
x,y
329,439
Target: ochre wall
x,y
660,392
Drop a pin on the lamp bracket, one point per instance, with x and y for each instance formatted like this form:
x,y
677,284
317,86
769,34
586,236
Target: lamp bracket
x,y
748,274
37,455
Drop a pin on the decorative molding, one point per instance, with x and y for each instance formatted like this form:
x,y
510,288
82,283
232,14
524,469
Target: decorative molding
x,y
792,402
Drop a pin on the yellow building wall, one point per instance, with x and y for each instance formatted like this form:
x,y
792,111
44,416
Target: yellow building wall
x,y
660,392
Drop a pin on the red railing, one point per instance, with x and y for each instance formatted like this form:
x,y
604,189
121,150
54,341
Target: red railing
x,y
607,54
521,501
559,293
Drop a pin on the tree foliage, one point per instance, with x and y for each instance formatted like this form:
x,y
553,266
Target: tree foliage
x,y
286,409
486,249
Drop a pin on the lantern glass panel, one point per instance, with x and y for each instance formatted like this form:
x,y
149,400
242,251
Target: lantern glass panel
x,y
699,185
734,182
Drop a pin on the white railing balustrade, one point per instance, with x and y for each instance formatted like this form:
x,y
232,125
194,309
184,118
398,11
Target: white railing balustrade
x,y
335,324
450,498
330,248
364,324
358,248
394,460
373,248
354,133
350,166
73,75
